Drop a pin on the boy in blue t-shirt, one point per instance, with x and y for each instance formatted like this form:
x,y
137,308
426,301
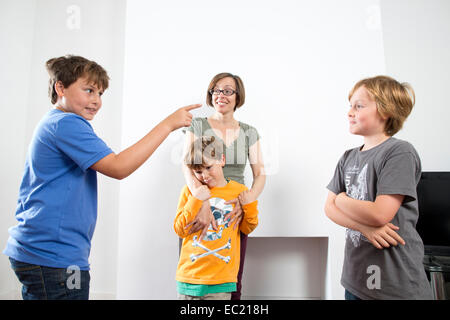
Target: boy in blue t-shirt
x,y
57,205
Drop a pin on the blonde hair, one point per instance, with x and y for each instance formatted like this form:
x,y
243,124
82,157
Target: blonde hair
x,y
201,149
394,100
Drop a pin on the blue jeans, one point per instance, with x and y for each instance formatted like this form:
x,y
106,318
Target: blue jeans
x,y
350,296
45,283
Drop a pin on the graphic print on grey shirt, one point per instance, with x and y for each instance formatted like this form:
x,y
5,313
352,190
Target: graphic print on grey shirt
x,y
392,167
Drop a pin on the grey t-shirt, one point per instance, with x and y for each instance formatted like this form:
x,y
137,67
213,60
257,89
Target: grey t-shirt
x,y
392,167
237,153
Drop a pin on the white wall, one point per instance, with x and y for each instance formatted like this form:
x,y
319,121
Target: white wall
x,y
298,60
169,60
417,50
31,33
15,60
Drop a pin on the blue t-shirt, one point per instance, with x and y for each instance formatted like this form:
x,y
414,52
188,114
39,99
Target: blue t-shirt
x,y
57,205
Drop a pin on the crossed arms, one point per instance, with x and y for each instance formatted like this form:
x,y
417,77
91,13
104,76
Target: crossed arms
x,y
372,219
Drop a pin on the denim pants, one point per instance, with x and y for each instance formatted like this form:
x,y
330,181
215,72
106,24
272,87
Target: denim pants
x,y
350,296
45,283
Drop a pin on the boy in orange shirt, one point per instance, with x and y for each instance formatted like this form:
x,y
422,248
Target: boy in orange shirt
x,y
208,267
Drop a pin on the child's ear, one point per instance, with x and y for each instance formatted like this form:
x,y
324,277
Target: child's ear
x,y
383,115
222,163
59,88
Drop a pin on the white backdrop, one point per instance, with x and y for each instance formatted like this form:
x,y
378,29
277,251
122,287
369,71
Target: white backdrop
x,y
298,61
31,32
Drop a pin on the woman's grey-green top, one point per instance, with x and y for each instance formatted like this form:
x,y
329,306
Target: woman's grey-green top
x,y
237,153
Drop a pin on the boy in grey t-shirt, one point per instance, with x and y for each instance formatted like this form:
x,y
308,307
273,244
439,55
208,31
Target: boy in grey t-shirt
x,y
373,195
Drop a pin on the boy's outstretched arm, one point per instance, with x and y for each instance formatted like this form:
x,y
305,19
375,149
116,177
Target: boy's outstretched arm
x,y
383,236
121,165
375,214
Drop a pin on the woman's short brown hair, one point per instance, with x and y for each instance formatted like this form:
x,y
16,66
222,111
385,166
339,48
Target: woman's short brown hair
x,y
203,148
69,68
394,100
240,90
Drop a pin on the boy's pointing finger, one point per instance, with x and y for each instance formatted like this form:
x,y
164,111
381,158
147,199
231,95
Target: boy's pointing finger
x,y
192,106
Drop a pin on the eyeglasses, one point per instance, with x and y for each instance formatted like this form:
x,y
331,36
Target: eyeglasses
x,y
226,92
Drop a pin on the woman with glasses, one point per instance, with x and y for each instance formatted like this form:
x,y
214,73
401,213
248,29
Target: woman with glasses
x,y
240,142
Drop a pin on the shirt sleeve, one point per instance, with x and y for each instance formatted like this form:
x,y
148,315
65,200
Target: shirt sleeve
x,y
250,220
337,183
252,135
76,138
398,176
195,127
188,207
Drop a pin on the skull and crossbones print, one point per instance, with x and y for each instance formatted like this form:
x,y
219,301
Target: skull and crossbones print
x,y
219,209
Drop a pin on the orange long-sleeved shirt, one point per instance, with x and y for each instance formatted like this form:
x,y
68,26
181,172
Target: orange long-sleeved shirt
x,y
216,259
